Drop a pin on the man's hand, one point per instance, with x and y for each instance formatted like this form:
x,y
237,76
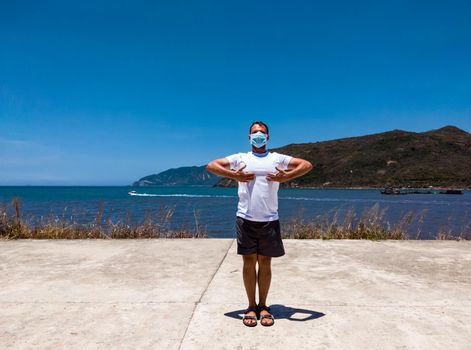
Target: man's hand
x,y
243,176
280,176
221,167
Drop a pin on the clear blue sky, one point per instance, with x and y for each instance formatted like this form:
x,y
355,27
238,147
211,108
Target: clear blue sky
x,y
105,92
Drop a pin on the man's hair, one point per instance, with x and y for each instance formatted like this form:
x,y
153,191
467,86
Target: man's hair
x,y
260,123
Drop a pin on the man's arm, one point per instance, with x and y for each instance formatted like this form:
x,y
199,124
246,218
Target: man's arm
x,y
221,167
297,167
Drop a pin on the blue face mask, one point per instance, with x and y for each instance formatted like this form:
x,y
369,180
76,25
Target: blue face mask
x,y
258,139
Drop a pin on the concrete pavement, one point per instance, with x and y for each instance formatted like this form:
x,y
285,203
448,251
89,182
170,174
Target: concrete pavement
x,y
189,294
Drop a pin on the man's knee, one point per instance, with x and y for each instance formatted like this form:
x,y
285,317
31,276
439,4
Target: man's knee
x,y
264,260
250,259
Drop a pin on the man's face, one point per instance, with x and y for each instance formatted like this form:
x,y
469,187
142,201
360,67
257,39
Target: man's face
x,y
257,128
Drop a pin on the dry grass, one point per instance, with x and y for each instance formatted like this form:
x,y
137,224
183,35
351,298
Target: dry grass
x,y
155,225
445,232
371,224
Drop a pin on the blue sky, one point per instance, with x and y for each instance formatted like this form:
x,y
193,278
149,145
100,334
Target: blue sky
x,y
105,92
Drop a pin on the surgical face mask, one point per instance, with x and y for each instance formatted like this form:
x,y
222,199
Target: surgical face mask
x,y
258,139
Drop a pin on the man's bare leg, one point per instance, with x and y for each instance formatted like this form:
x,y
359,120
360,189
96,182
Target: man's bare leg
x,y
250,282
264,279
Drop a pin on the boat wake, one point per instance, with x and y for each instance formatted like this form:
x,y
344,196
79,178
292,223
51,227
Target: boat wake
x,y
134,193
356,200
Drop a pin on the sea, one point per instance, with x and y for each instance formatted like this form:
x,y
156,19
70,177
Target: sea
x,y
214,209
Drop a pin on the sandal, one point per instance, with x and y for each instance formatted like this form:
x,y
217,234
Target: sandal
x,y
262,316
250,317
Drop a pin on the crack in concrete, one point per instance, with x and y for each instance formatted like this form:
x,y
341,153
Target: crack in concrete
x,y
202,294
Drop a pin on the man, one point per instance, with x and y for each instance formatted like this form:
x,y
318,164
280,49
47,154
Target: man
x,y
258,174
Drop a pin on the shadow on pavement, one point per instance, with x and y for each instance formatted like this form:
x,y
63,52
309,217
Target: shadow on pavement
x,y
283,312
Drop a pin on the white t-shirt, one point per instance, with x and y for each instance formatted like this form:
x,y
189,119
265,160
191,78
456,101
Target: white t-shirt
x,y
258,198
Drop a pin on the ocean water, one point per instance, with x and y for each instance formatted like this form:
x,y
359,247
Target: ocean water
x,y
215,208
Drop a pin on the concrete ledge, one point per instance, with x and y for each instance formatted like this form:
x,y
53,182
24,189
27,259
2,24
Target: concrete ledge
x,y
189,294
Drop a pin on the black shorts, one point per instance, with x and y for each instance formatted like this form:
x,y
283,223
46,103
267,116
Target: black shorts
x,y
263,237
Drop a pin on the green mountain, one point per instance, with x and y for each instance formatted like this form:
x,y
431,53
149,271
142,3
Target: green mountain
x,y
439,157
188,175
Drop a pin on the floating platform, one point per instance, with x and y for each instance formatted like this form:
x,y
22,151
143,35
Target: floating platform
x,y
397,190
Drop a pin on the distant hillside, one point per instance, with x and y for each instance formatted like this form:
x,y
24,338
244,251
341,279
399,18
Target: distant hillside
x,y
440,157
188,175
